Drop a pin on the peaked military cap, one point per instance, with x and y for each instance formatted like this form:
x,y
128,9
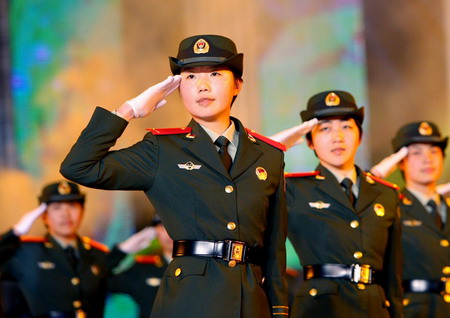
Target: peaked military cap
x,y
207,50
61,191
419,132
331,104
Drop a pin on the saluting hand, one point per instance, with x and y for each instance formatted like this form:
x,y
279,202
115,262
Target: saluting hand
x,y
153,97
138,241
27,220
294,136
386,166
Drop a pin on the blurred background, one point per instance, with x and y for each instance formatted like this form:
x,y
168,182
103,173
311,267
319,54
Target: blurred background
x,y
60,59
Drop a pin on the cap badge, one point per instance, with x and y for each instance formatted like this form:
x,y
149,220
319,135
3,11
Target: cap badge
x,y
379,209
425,129
201,47
332,100
261,173
63,188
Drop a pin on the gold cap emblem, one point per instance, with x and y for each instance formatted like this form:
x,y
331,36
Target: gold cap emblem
x,y
379,209
332,100
201,47
425,129
64,187
261,173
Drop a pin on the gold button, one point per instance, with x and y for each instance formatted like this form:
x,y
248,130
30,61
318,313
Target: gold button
x,y
75,281
444,243
231,226
76,304
357,255
446,270
406,302
387,303
354,224
232,263
229,189
313,292
447,298
178,272
361,286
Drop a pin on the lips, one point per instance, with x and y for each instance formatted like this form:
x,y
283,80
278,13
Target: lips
x,y
204,101
337,151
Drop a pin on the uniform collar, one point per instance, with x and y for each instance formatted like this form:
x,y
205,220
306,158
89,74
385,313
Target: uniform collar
x,y
423,198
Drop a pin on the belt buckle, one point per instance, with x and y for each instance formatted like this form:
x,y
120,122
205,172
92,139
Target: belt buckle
x,y
80,314
235,251
361,274
446,282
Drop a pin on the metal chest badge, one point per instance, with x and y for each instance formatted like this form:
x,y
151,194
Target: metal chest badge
x,y
379,209
261,173
201,47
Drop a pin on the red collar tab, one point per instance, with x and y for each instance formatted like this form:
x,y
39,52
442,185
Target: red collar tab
x,y
169,131
147,259
301,174
33,239
382,181
271,142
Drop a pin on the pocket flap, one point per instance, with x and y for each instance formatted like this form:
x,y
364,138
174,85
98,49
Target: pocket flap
x,y
184,266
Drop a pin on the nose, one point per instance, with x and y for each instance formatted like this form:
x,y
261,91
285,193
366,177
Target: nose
x,y
203,85
338,135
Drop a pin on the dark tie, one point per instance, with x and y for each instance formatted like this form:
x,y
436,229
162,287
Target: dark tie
x,y
222,142
70,253
435,213
347,185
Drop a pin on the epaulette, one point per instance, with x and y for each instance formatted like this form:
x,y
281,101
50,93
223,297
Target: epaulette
x,y
382,181
148,259
169,131
33,239
301,174
276,144
88,243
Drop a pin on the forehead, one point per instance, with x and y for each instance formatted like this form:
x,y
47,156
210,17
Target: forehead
x,y
336,120
60,203
205,69
422,146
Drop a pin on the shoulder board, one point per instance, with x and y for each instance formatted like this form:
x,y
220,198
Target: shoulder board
x,y
97,245
33,239
301,174
271,142
147,259
169,131
382,181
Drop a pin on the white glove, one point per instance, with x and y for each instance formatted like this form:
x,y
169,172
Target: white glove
x,y
386,166
138,241
294,136
443,189
27,220
153,97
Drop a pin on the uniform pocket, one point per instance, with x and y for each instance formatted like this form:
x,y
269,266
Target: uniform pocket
x,y
183,266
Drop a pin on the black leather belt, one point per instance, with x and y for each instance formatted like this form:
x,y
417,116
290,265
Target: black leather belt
x,y
228,250
427,286
356,273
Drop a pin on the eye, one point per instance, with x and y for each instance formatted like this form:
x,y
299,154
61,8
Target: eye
x,y
215,74
324,128
190,76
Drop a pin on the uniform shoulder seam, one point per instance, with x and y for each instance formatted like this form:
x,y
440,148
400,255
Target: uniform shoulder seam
x,y
169,131
382,181
97,245
267,140
301,174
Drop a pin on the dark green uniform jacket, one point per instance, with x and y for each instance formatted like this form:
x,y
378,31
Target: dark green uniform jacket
x,y
141,281
325,228
184,177
50,283
426,256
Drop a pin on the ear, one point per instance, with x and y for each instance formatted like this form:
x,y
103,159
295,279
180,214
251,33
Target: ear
x,y
310,144
237,86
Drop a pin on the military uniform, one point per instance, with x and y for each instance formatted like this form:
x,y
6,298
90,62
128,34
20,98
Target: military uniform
x,y
48,281
325,229
141,281
426,255
181,173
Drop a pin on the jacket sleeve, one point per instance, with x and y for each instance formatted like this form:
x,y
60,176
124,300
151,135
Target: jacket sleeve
x,y
275,267
393,264
9,243
91,163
